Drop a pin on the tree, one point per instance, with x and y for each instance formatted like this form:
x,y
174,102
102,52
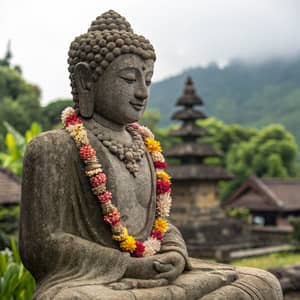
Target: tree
x,y
52,112
269,152
19,100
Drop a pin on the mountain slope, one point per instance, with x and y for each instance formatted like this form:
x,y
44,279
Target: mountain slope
x,y
253,95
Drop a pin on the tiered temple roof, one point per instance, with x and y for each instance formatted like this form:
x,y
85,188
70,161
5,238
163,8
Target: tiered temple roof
x,y
191,152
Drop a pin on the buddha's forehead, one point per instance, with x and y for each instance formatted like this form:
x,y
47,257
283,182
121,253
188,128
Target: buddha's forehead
x,y
131,61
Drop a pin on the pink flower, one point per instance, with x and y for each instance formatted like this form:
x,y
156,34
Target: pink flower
x,y
113,217
135,125
87,152
72,119
140,248
156,235
160,164
98,179
105,197
162,187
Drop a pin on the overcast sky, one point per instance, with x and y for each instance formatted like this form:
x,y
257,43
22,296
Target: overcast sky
x,y
184,33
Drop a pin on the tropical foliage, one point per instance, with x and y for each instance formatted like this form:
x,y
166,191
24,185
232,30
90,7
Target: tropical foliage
x,y
12,157
16,283
269,152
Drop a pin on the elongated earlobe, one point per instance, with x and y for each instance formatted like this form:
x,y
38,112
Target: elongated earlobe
x,y
83,81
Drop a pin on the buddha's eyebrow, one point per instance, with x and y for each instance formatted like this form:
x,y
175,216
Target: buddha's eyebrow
x,y
130,69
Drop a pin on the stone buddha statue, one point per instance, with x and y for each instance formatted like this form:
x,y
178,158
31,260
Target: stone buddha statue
x,y
95,197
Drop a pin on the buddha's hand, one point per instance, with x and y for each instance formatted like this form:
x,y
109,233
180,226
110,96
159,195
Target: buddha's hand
x,y
142,267
169,265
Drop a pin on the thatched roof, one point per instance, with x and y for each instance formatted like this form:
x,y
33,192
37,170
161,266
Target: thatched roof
x,y
270,194
198,172
10,187
189,129
192,149
189,97
188,114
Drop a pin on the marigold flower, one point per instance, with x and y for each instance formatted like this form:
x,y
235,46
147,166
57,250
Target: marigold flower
x,y
121,236
93,172
162,187
163,176
129,244
161,225
152,145
87,152
140,248
98,179
105,197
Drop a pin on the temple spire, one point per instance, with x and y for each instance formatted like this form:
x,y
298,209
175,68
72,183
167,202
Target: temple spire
x,y
190,151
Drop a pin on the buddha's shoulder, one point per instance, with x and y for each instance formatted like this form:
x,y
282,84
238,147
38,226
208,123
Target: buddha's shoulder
x,y
53,141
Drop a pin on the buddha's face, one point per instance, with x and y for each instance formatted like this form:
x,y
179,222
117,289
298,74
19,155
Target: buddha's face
x,y
122,92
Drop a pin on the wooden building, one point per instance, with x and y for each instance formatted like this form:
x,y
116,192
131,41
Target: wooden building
x,y
10,188
270,200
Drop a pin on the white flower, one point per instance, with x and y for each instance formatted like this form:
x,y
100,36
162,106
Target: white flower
x,y
163,204
79,134
151,246
145,132
66,112
157,156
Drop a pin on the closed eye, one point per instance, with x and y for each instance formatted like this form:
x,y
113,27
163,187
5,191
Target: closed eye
x,y
128,79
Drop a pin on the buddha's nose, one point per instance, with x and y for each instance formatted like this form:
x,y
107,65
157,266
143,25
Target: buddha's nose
x,y
141,93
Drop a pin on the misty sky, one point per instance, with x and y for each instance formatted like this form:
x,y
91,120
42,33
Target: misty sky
x,y
184,33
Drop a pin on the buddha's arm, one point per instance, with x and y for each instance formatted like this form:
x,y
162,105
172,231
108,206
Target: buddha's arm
x,y
49,243
173,241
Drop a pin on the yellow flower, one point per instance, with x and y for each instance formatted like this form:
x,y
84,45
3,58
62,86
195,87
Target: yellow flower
x,y
128,244
163,176
153,145
161,225
121,236
93,172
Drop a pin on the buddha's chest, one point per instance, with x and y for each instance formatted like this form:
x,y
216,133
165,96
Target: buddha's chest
x,y
134,195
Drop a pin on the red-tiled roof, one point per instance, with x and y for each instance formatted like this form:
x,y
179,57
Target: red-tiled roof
x,y
267,194
10,187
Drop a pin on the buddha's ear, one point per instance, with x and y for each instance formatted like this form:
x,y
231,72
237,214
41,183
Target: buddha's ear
x,y
84,83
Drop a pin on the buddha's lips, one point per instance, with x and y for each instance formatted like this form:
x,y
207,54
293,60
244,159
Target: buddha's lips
x,y
136,105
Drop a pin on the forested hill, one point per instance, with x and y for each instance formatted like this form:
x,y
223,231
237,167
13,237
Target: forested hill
x,y
255,95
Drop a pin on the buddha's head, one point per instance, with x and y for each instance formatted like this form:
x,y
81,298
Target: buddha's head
x,y
110,70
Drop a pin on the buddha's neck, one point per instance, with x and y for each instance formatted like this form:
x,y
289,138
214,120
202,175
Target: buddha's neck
x,y
114,130
109,124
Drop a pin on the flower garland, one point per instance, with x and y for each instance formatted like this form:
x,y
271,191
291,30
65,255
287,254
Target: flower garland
x,y
93,169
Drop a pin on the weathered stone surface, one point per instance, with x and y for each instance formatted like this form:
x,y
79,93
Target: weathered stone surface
x,y
64,241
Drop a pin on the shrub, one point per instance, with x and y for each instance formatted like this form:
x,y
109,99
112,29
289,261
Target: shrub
x,y
16,283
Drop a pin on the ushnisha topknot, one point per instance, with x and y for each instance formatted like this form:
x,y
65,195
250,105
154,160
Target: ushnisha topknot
x,y
109,36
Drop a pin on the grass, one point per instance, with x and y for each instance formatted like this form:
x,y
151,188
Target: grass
x,y
269,261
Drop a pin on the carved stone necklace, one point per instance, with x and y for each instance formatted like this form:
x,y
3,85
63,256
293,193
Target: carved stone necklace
x,y
130,154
